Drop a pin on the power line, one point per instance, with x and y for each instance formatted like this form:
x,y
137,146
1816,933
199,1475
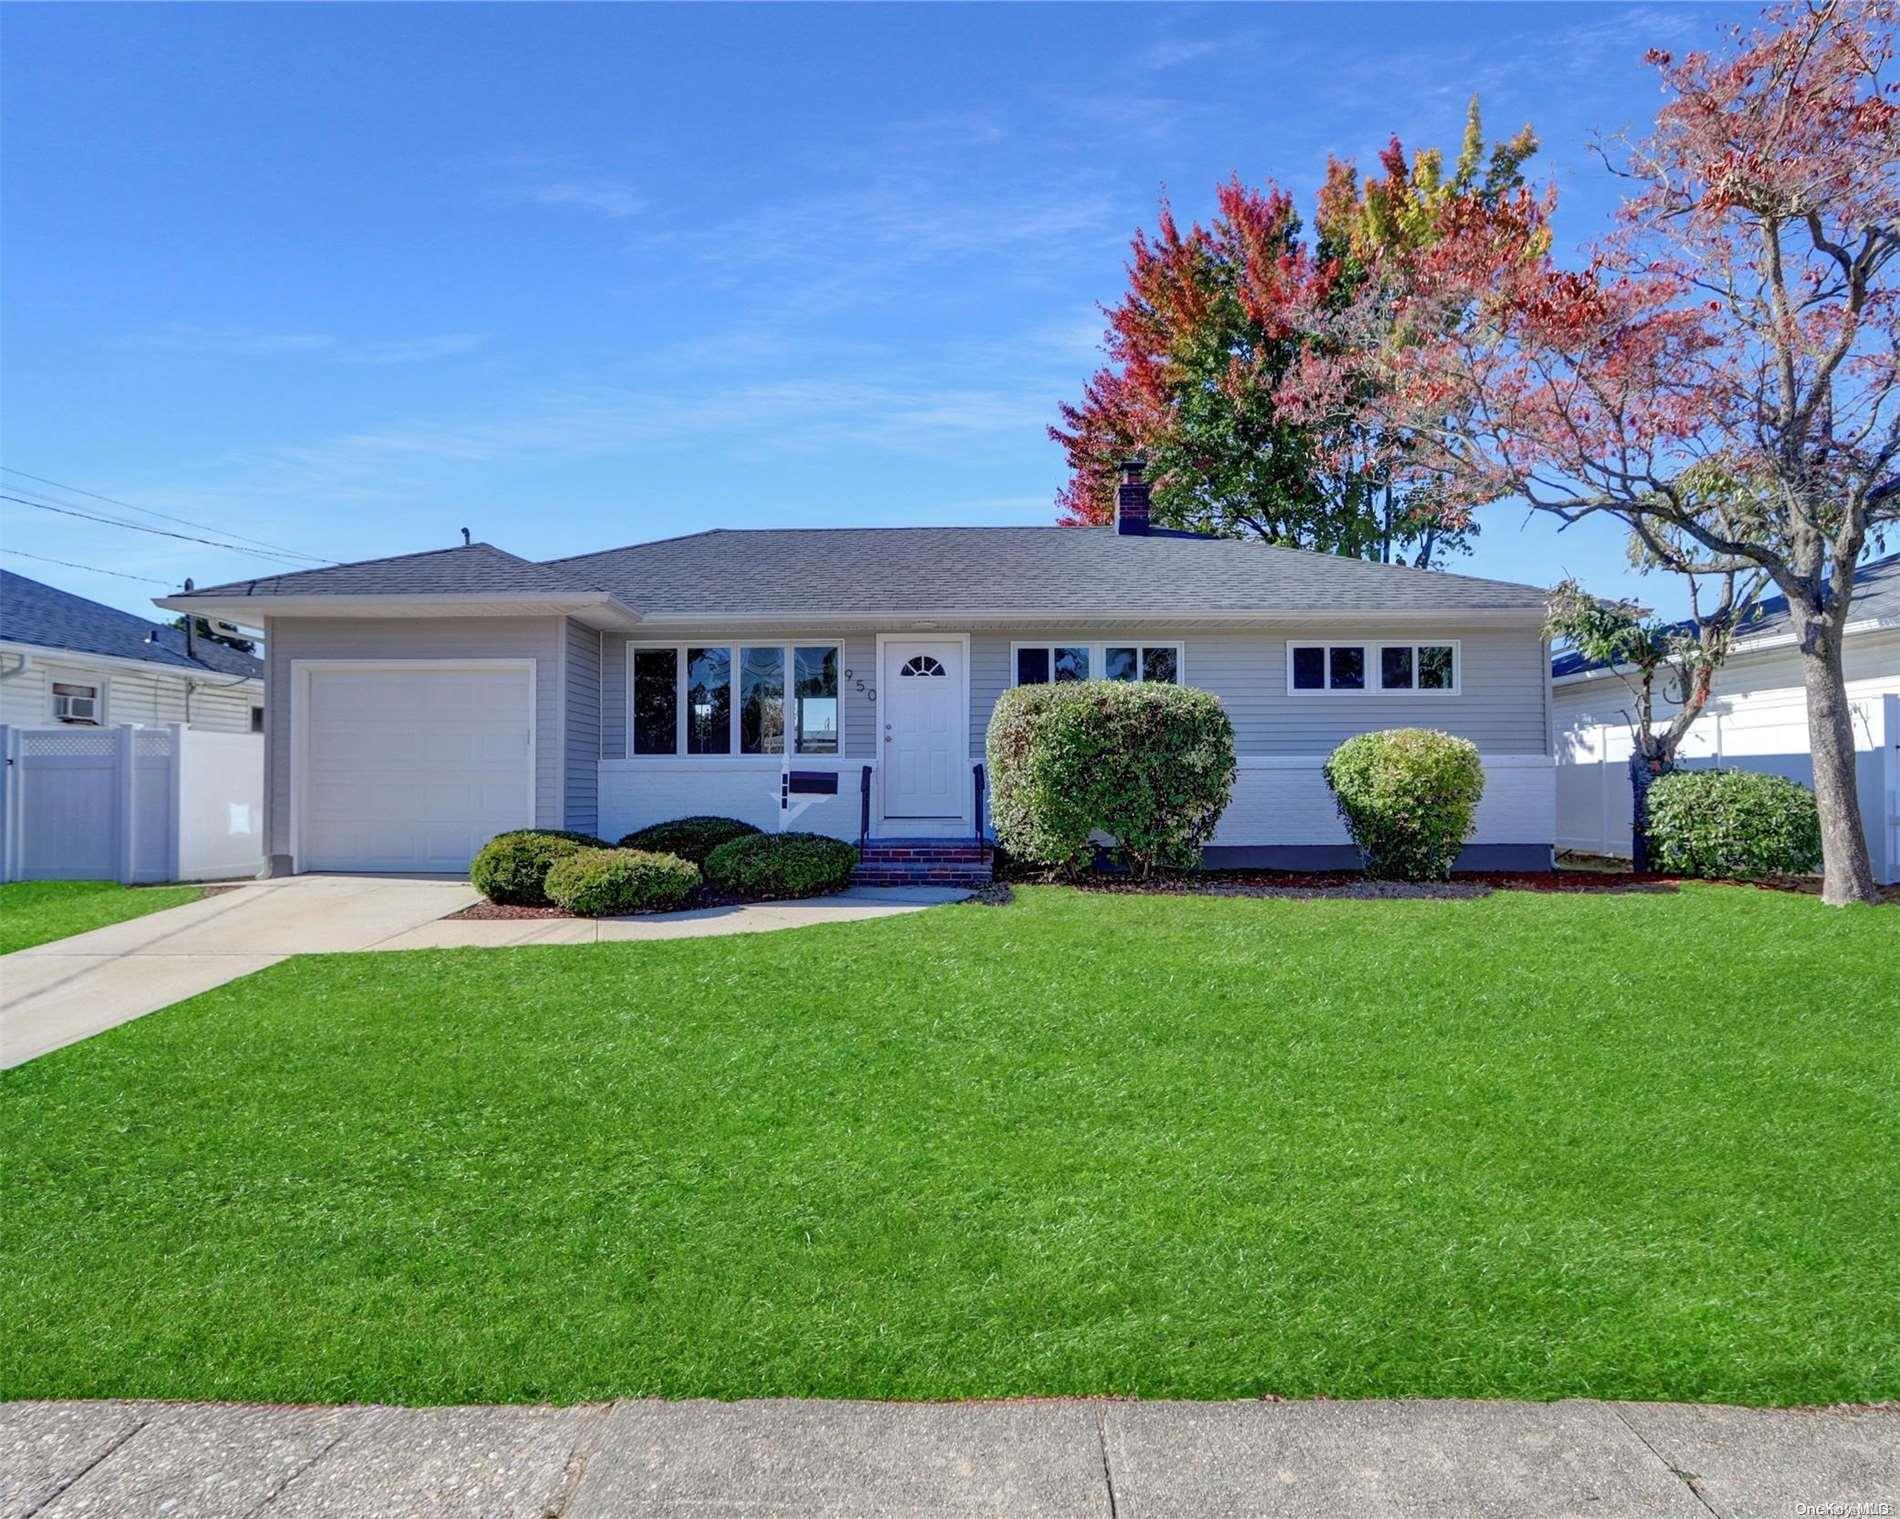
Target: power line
x,y
162,516
89,568
139,527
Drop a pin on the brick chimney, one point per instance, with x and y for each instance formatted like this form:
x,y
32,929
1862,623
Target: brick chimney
x,y
1131,498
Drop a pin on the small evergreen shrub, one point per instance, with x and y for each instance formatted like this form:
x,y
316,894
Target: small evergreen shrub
x,y
1148,765
512,868
1408,797
1732,823
690,838
596,882
769,865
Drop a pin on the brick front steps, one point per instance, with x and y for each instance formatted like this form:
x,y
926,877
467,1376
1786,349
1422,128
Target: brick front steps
x,y
923,862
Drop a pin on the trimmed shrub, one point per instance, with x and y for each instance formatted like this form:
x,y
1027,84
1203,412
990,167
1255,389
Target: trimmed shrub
x,y
1150,766
595,882
767,865
690,838
1408,797
1732,823
512,868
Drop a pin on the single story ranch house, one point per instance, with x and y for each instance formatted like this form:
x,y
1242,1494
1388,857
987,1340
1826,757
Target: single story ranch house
x,y
840,680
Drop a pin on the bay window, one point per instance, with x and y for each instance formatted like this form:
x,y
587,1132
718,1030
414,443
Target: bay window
x,y
731,699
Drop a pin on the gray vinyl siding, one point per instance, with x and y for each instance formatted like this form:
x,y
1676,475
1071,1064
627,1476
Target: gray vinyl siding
x,y
538,638
859,718
582,758
1500,706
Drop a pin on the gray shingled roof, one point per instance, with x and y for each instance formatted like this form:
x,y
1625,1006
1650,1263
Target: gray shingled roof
x,y
1876,594
466,569
49,618
900,571
1055,569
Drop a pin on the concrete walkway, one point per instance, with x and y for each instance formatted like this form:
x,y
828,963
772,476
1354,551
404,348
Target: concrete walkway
x,y
850,906
57,994
1101,1460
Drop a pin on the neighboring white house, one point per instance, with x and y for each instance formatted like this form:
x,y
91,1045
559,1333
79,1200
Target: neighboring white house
x,y
1757,720
130,752
841,680
64,659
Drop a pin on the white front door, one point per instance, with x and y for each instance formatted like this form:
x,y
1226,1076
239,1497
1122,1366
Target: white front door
x,y
924,737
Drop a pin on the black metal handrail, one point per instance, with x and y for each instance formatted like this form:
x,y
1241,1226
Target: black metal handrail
x,y
864,807
977,771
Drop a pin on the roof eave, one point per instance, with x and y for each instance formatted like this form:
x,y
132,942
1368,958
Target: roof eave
x,y
594,608
1765,643
61,651
1072,617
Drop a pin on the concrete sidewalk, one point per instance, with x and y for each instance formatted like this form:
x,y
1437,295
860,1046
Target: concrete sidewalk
x,y
1103,1460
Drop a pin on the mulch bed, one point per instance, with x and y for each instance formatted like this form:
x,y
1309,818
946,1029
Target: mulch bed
x,y
700,898
1309,884
1303,885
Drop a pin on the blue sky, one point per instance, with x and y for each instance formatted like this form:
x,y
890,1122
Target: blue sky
x,y
348,278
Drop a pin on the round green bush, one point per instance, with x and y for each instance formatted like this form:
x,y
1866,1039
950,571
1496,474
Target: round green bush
x,y
1149,765
1732,823
690,838
1408,797
596,882
768,865
512,868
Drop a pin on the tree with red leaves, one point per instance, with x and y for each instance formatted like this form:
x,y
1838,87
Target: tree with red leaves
x,y
1224,373
1724,374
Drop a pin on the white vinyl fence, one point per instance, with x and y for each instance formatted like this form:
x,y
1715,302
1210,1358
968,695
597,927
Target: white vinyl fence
x,y
130,803
1768,733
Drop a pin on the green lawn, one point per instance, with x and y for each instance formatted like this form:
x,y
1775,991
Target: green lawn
x,y
1633,1146
37,912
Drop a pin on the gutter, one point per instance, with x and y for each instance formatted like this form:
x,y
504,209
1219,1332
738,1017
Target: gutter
x,y
56,652
1749,646
248,610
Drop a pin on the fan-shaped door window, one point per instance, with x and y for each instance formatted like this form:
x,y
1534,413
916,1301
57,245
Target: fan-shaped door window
x,y
921,665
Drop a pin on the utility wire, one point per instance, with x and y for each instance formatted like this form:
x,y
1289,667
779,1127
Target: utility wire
x,y
162,516
139,527
89,568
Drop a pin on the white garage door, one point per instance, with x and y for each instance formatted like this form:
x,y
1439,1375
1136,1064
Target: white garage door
x,y
413,769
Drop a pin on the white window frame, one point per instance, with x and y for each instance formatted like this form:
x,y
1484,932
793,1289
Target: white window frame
x,y
777,758
1415,644
1098,655
1371,650
96,684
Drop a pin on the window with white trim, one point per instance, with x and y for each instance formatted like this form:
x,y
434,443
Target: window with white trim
x,y
1422,666
75,703
1035,664
732,699
1418,667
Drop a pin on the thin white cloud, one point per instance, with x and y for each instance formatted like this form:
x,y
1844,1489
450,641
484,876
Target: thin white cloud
x,y
532,179
249,343
415,350
1169,55
613,198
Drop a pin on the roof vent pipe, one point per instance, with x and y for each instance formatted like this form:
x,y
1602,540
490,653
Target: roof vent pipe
x,y
464,537
1131,498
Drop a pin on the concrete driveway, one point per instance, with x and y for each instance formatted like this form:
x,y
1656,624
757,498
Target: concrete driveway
x,y
59,993
71,989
